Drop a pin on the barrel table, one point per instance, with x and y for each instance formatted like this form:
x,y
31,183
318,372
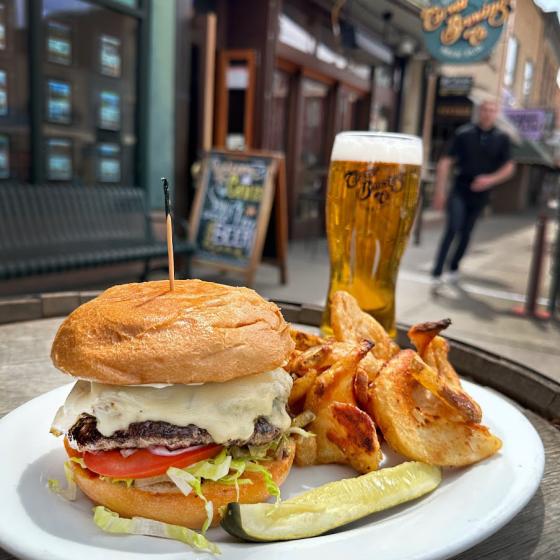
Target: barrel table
x,y
26,372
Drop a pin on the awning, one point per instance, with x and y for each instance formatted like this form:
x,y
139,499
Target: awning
x,y
533,153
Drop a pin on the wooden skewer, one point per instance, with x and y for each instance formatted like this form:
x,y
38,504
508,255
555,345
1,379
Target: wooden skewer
x,y
169,223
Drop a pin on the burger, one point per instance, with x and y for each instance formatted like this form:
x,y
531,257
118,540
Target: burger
x,y
179,407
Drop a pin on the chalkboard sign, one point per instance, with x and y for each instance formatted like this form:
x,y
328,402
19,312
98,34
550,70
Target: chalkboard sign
x,y
232,208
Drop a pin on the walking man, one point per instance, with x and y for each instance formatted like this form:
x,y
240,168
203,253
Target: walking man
x,y
482,156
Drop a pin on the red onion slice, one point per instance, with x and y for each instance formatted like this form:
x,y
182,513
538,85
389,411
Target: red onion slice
x,y
164,452
128,452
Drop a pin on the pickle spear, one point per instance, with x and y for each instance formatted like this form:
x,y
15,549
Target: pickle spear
x,y
332,505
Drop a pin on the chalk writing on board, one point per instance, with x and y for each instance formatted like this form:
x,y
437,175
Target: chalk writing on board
x,y
231,206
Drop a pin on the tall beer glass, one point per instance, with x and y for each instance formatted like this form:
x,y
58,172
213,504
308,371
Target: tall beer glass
x,y
372,195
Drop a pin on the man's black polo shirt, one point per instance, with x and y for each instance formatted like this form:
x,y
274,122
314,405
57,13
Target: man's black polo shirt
x,y
477,152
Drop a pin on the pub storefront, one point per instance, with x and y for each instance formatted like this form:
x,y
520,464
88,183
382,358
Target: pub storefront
x,y
293,75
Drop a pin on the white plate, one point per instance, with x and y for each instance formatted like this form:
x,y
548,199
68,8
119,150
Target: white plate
x,y
468,506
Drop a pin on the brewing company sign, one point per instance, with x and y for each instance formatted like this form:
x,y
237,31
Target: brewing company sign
x,y
463,31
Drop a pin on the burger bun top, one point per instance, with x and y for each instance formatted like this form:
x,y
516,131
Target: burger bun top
x,y
201,332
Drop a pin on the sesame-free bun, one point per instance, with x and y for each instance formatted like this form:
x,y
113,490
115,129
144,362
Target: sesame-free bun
x,y
172,506
143,333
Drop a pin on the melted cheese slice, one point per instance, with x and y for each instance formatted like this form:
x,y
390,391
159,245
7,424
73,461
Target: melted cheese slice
x,y
226,410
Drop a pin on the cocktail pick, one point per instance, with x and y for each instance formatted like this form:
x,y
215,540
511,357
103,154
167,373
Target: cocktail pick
x,y
170,258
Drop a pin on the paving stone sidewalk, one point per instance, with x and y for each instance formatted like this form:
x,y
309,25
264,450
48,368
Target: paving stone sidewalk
x,y
495,278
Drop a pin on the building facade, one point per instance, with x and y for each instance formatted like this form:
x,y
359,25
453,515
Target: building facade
x,y
522,75
78,94
292,75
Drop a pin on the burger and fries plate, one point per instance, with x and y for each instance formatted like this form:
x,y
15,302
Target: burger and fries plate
x,y
470,504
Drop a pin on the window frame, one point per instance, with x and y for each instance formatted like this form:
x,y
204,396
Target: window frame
x,y
510,73
528,91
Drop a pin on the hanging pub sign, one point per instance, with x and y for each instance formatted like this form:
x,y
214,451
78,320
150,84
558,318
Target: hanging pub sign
x,y
463,31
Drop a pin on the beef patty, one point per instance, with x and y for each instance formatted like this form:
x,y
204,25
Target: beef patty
x,y
84,435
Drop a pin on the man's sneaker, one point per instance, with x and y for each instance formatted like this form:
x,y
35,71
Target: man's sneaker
x,y
436,283
453,277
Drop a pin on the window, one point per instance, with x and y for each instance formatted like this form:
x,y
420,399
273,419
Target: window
x,y
4,157
511,61
528,79
109,110
2,27
59,43
110,56
90,66
108,163
59,102
3,93
59,159
14,92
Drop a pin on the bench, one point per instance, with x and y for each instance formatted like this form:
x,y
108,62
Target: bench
x,y
54,228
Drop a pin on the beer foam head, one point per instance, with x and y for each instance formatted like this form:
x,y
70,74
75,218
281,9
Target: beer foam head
x,y
377,147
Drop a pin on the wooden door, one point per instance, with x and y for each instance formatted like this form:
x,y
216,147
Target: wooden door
x,y
281,89
311,176
235,99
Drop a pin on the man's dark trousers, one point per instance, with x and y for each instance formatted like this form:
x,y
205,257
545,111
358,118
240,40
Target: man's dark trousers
x,y
462,213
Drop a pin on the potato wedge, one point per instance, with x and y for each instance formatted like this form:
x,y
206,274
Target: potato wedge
x,y
422,334
450,392
316,358
302,385
434,350
361,389
306,451
337,383
351,324
412,429
305,340
344,433
353,432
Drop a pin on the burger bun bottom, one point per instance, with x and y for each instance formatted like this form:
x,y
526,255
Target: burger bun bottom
x,y
173,507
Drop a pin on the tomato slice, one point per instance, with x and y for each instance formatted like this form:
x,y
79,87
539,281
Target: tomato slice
x,y
71,452
144,464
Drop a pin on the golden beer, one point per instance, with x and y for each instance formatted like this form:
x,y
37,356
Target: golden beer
x,y
372,194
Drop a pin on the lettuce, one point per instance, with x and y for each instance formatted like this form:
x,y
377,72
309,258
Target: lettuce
x,y
265,452
186,482
111,522
143,482
128,481
272,488
234,479
226,469
79,461
300,432
182,479
212,469
71,490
